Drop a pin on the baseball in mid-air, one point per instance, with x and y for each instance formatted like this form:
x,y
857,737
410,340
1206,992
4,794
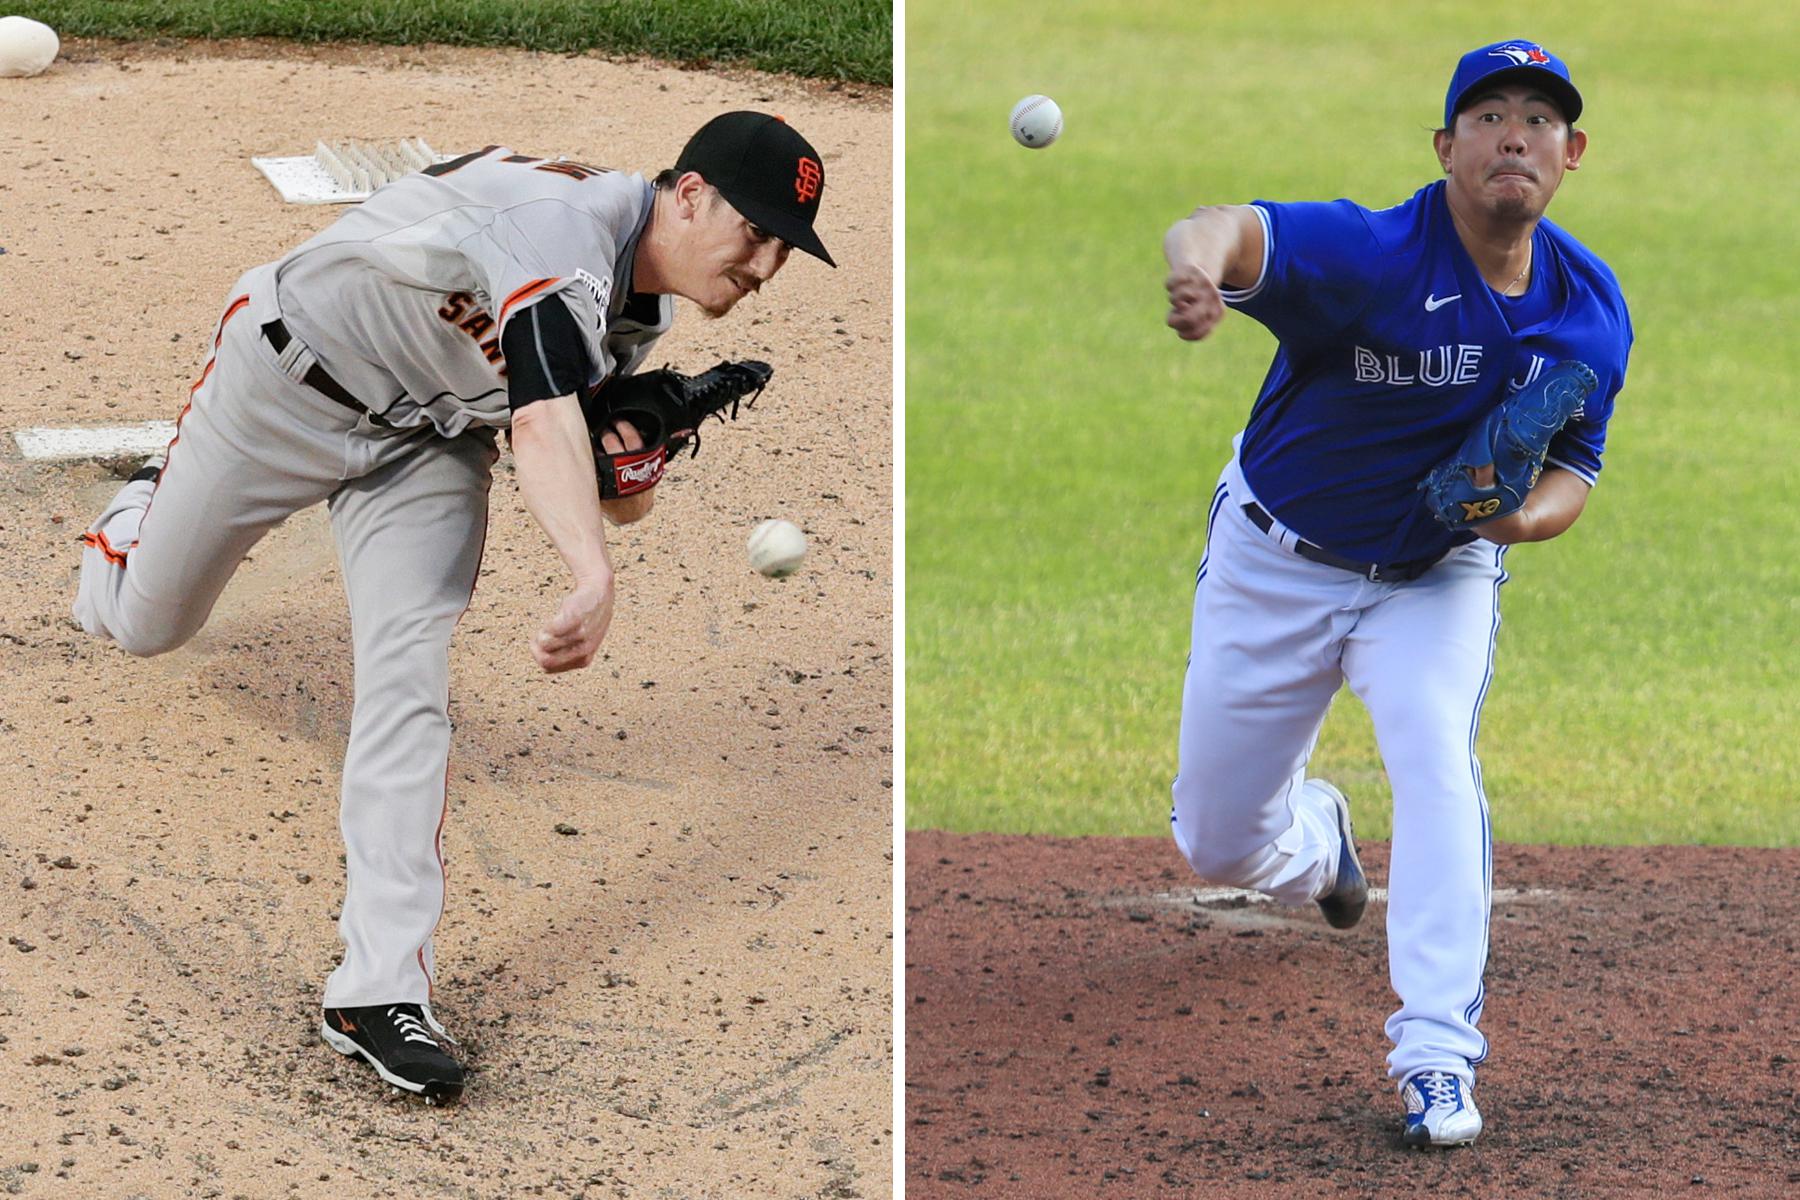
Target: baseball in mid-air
x,y
26,47
1036,122
777,548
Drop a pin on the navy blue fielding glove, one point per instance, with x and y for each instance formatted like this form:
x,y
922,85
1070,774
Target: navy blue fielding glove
x,y
1513,439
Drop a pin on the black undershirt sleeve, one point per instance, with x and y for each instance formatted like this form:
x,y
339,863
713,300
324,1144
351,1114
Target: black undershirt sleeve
x,y
545,353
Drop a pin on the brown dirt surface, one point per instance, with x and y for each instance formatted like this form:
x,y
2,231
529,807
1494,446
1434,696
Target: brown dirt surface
x,y
683,991
1085,1018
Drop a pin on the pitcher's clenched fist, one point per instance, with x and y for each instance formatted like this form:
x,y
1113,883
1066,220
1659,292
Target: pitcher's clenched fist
x,y
1215,246
573,636
1195,306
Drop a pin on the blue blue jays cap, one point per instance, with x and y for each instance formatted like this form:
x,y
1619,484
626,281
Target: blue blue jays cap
x,y
1514,61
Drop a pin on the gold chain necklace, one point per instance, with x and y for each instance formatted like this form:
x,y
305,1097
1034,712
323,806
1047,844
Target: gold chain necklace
x,y
1515,279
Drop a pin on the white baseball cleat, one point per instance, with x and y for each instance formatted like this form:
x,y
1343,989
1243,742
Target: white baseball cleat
x,y
1440,1110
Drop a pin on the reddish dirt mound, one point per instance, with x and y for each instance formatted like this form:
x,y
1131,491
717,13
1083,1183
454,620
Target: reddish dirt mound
x,y
1080,1022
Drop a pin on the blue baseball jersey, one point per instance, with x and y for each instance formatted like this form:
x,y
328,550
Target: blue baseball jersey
x,y
1391,347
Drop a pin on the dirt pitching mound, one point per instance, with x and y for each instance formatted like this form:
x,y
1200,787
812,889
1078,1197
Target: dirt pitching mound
x,y
666,948
1084,1018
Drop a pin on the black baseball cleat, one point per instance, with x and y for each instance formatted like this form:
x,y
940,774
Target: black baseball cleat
x,y
403,1042
151,471
1343,905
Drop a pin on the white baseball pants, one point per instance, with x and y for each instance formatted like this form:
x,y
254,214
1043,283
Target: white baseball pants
x,y
1274,635
409,515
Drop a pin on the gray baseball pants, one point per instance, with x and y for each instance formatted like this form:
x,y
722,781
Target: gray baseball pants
x,y
409,516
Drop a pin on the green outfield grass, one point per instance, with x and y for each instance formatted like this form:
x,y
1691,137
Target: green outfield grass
x,y
1062,444
831,39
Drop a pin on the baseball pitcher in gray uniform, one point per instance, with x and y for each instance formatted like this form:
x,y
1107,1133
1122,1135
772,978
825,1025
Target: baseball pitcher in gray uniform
x,y
371,369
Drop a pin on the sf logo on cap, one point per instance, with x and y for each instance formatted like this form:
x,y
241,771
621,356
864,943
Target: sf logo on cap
x,y
807,178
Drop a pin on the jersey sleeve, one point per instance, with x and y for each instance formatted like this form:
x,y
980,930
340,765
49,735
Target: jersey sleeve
x,y
527,253
1580,443
1321,266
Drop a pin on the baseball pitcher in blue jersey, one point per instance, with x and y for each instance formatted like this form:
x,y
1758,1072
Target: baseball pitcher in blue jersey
x,y
1445,373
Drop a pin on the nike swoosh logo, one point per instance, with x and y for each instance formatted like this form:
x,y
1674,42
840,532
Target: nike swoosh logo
x,y
1432,303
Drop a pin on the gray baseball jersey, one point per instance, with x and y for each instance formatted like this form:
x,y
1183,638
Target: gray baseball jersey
x,y
399,308
404,299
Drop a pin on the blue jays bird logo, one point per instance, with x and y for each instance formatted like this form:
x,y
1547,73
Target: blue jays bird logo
x,y
1522,56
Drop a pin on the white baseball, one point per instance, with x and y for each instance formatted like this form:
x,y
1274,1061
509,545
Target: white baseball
x,y
776,548
1036,122
26,46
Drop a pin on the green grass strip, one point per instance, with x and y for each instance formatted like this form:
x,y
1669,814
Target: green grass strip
x,y
1063,443
850,40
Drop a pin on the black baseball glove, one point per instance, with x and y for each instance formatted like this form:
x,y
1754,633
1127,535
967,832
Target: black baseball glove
x,y
666,408
1513,439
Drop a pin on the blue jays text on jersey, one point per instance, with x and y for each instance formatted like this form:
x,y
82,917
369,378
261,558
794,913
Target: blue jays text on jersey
x,y
1391,346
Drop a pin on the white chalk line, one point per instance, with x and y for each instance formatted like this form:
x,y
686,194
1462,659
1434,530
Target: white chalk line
x,y
93,441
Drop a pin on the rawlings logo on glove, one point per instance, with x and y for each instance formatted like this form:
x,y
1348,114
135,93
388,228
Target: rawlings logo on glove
x,y
1512,439
631,471
666,408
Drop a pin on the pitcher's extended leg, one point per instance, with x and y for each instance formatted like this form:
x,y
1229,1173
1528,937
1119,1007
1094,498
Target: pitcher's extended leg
x,y
1421,661
410,538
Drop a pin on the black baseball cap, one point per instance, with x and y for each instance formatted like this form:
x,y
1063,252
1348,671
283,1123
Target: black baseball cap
x,y
1515,61
766,170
